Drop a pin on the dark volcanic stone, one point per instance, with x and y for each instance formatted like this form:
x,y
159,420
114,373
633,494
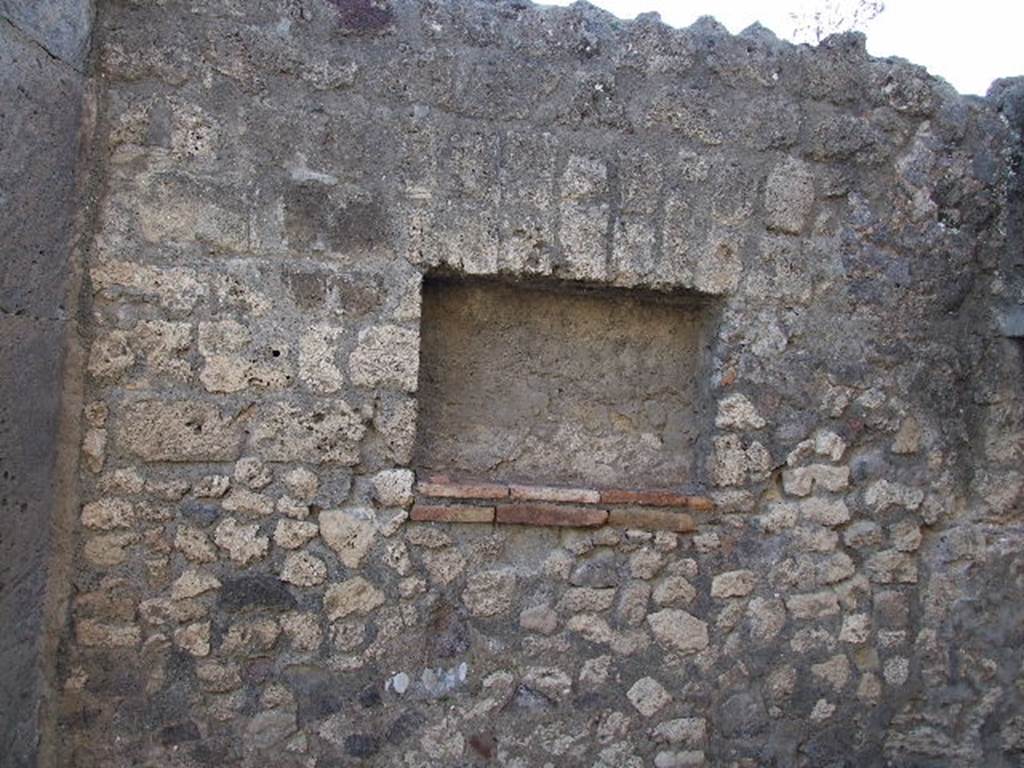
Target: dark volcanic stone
x,y
600,572
201,513
484,744
179,733
742,714
448,632
404,726
257,591
362,745
370,696
319,692
361,17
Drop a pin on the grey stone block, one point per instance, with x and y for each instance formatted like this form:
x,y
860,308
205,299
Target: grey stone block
x,y
62,27
39,121
30,390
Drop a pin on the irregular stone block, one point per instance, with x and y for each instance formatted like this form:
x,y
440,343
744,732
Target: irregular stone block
x,y
232,364
387,356
350,533
733,584
648,696
393,487
735,411
584,239
303,569
813,606
354,597
182,430
691,731
180,209
327,433
789,196
825,511
98,634
489,593
802,480
601,571
587,599
883,494
891,567
679,630
540,619
259,591
243,543
106,514
674,589
292,534
175,288
193,583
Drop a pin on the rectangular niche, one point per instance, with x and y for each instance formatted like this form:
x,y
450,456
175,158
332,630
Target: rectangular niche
x,y
559,384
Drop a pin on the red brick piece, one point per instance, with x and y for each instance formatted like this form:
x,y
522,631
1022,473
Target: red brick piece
x,y
656,498
550,493
652,520
451,490
545,514
451,513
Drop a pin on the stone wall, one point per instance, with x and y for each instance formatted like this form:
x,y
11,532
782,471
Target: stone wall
x,y
276,181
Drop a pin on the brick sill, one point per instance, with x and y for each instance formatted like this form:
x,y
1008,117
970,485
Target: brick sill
x,y
442,500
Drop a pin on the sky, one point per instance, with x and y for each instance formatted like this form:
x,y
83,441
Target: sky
x,y
969,44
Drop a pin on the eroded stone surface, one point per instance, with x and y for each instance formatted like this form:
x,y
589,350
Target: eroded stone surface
x,y
679,630
327,433
350,533
355,596
179,431
386,356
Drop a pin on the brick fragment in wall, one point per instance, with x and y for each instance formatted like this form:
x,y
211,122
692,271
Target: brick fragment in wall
x,y
652,520
453,490
541,514
548,493
655,498
451,513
